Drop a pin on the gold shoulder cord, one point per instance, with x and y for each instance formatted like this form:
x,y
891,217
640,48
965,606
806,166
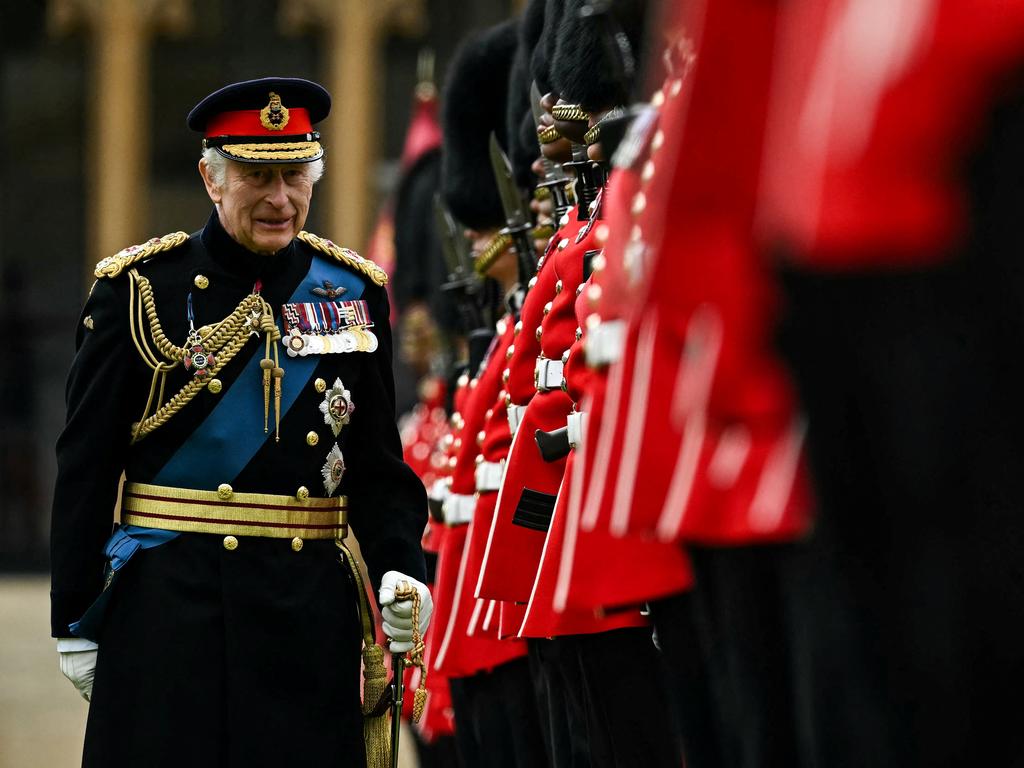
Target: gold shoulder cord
x,y
112,266
224,340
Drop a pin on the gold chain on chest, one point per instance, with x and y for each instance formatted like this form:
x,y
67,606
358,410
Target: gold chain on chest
x,y
220,343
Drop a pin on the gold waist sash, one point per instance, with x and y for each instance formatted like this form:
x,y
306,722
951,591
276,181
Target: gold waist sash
x,y
240,514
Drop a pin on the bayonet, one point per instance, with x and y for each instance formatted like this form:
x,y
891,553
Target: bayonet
x,y
462,279
454,247
516,219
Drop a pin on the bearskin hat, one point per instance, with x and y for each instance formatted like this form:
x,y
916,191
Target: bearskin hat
x,y
544,50
474,104
597,53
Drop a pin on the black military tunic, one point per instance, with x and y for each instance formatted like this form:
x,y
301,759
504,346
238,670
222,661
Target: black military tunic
x,y
211,656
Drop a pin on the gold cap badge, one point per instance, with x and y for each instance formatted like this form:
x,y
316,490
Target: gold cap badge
x,y
274,116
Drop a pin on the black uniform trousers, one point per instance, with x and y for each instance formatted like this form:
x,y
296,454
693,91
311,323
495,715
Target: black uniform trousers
x,y
627,702
684,638
496,723
605,700
216,699
741,618
912,382
559,689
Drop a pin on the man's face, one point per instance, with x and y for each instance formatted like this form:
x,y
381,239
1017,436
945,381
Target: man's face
x,y
262,207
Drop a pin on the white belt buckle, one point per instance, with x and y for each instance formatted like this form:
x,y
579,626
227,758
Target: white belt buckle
x,y
575,423
488,475
548,374
515,417
604,342
458,508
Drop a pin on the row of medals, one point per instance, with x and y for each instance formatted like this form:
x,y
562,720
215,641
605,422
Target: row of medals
x,y
353,339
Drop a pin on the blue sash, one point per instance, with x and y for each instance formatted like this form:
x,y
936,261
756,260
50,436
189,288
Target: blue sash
x,y
214,454
119,549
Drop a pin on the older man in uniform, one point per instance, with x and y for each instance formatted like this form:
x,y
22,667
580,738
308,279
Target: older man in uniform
x,y
240,378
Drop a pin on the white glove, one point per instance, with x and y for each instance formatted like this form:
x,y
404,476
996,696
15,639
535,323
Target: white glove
x,y
78,662
398,615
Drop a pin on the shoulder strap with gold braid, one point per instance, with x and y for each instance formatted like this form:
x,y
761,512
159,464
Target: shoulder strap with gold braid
x,y
112,266
345,256
376,729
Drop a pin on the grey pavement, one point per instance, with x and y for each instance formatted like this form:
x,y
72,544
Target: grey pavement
x,y
42,716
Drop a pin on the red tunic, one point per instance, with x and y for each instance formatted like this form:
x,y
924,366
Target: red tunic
x,y
456,653
513,551
541,620
700,438
868,131
591,571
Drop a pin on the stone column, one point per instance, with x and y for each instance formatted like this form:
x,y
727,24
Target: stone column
x,y
117,132
354,32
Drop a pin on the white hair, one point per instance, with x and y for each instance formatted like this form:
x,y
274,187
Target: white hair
x,y
218,167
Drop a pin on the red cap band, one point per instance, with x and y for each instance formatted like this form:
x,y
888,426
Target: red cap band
x,y
246,122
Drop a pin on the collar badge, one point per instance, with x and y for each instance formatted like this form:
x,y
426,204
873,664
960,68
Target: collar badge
x,y
329,291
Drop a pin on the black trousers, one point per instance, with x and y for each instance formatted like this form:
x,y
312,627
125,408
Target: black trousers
x,y
684,638
496,721
627,702
914,589
558,687
741,619
604,700
443,752
210,658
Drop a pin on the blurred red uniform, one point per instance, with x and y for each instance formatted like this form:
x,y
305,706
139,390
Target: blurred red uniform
x,y
456,652
512,550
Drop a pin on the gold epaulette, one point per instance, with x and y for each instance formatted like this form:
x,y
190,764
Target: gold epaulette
x,y
346,256
112,266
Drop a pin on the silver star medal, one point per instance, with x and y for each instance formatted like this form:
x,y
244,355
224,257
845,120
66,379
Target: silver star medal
x,y
337,407
253,322
333,470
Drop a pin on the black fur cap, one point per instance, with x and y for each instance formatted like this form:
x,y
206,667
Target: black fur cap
x,y
474,104
544,50
597,54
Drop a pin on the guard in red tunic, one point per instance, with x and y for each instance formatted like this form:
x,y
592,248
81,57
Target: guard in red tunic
x,y
892,202
617,732
595,570
496,715
701,440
